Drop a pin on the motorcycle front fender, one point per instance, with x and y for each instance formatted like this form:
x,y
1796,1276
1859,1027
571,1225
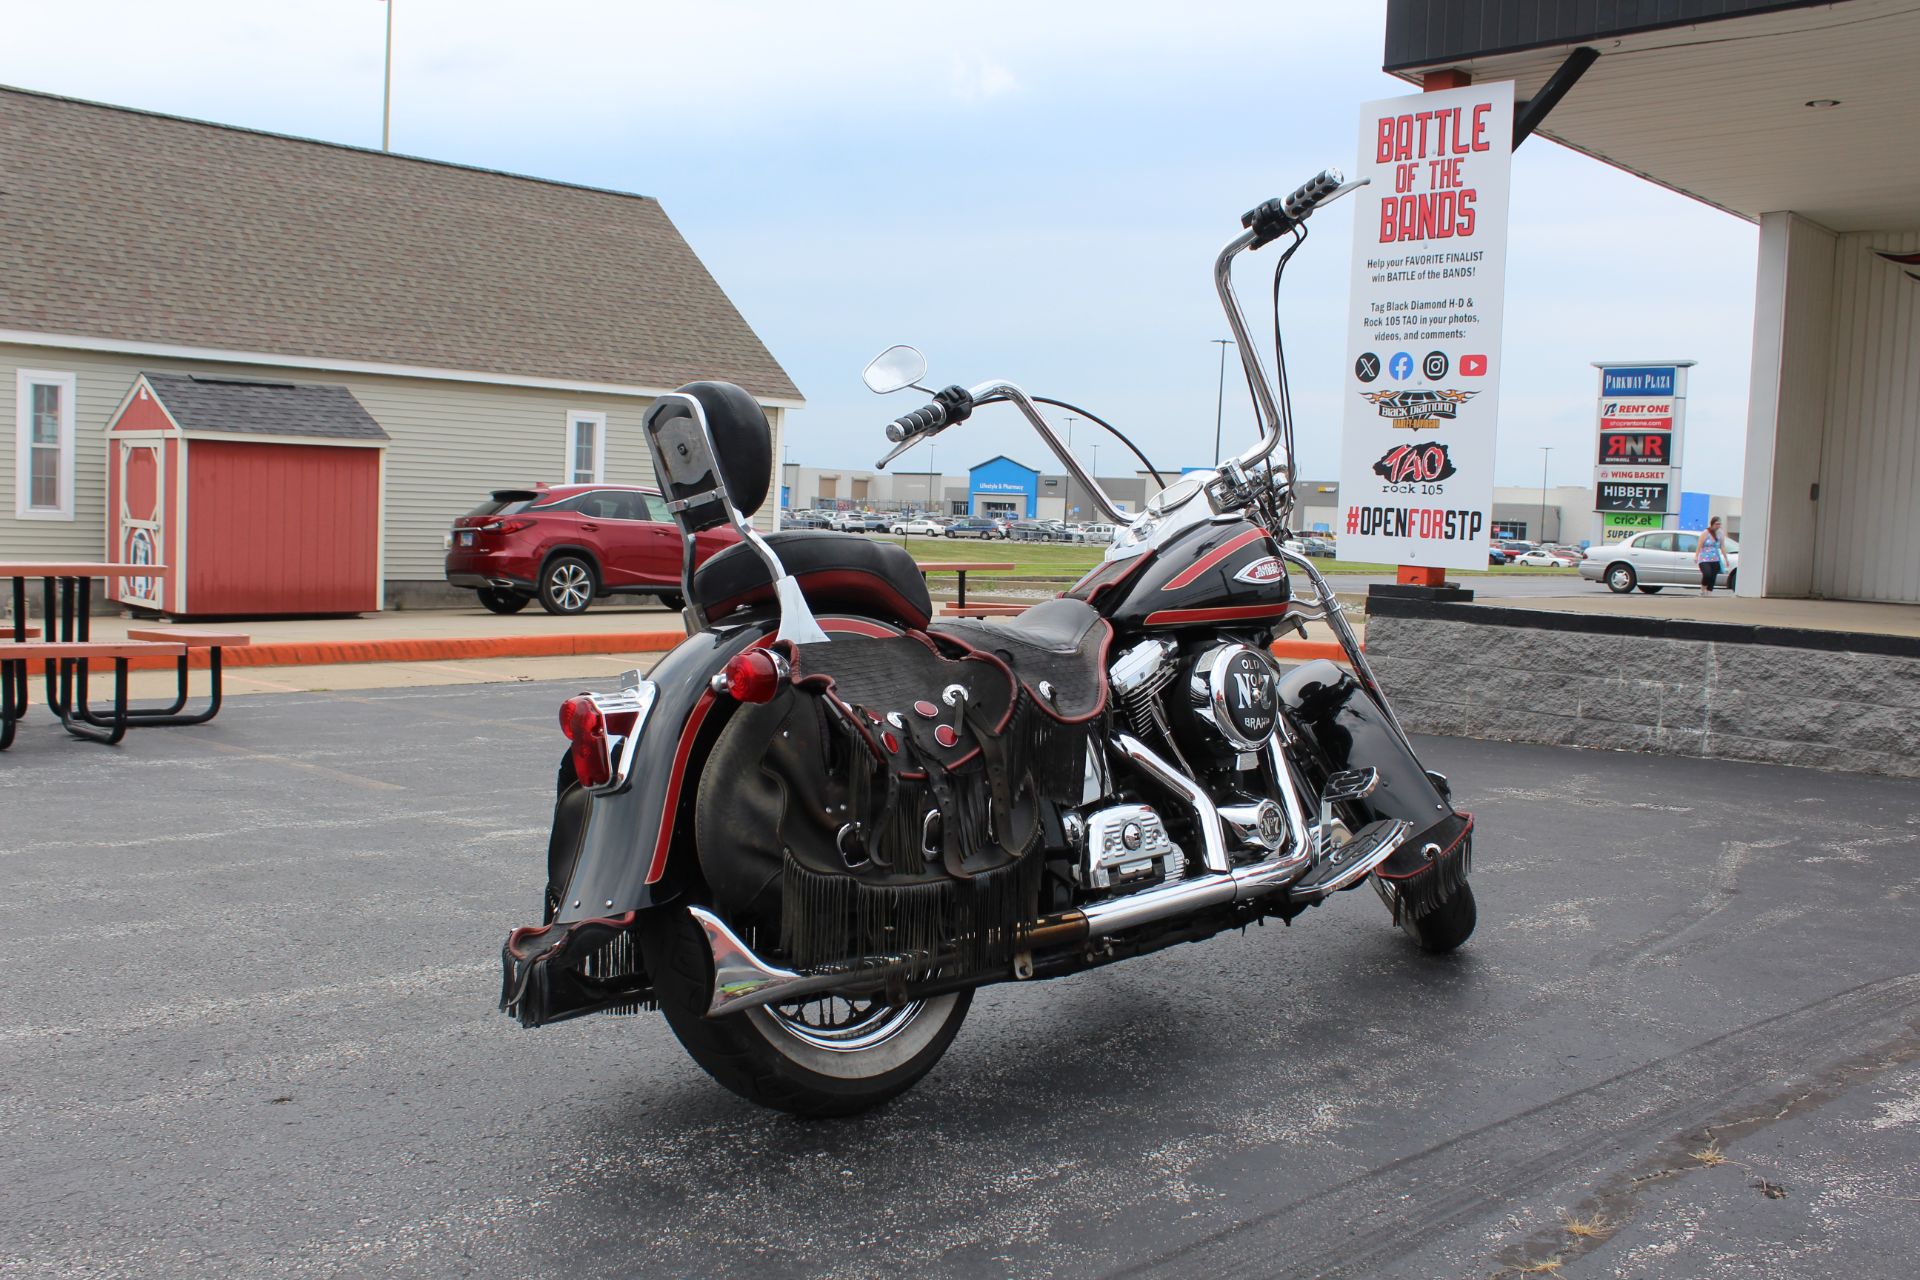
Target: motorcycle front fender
x,y
1352,731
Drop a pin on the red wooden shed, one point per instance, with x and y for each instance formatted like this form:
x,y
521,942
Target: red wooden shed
x,y
265,497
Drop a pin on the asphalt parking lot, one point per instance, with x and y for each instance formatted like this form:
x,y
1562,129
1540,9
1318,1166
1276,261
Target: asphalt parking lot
x,y
249,1030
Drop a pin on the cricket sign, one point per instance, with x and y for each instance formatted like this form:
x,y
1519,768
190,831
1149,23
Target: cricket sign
x,y
1422,382
1642,417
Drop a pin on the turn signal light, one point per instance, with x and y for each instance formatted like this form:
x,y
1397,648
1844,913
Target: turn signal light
x,y
586,729
753,676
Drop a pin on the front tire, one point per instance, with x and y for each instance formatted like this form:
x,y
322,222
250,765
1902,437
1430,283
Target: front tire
x,y
1621,578
494,600
566,586
1652,591
821,1057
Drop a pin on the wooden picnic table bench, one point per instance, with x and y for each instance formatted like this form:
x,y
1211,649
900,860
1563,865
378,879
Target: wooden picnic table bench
x,y
66,609
962,568
69,654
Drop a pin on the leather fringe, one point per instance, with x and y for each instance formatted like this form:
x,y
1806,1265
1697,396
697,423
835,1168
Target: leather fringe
x,y
974,924
1417,895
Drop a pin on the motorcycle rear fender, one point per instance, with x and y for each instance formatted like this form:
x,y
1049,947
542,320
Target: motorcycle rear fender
x,y
610,850
622,857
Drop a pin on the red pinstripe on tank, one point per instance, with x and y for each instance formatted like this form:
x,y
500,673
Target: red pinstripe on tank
x,y
684,749
1228,613
1192,572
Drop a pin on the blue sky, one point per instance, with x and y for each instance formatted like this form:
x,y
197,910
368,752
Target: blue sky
x,y
1022,190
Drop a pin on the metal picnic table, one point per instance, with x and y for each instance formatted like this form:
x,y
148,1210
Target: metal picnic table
x,y
67,616
962,568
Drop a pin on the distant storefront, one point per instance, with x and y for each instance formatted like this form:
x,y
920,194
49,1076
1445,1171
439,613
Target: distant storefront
x,y
1002,487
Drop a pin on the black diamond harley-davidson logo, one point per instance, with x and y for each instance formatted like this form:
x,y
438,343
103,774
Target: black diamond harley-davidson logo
x,y
1418,410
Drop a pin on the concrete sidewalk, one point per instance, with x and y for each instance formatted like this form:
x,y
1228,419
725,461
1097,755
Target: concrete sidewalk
x,y
1722,606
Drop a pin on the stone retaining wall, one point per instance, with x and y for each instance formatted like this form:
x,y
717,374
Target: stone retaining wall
x,y
1699,689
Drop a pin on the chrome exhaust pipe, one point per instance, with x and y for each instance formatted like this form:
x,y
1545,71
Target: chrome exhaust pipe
x,y
742,980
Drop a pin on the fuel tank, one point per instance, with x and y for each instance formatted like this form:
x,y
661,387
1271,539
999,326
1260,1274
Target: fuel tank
x,y
1219,574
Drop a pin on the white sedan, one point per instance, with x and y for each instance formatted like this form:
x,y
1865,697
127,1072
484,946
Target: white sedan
x,y
922,526
1540,559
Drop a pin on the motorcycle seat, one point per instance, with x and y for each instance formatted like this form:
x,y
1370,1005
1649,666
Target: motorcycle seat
x,y
1059,644
836,571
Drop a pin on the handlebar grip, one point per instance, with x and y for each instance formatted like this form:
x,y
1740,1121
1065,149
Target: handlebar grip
x,y
1310,193
912,424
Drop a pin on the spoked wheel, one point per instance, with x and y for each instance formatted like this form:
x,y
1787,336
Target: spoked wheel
x,y
821,1056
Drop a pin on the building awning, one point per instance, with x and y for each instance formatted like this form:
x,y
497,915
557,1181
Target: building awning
x,y
1722,101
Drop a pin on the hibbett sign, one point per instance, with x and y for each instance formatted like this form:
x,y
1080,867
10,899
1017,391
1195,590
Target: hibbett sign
x,y
1423,358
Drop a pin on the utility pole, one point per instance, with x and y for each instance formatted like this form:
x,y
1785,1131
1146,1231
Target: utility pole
x,y
1546,451
1220,396
386,115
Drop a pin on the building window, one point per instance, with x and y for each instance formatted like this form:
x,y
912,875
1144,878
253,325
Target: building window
x,y
586,447
43,456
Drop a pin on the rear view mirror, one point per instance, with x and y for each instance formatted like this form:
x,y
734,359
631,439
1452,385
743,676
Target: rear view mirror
x,y
895,369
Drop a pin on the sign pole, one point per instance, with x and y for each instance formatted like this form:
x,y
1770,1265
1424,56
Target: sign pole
x,y
386,111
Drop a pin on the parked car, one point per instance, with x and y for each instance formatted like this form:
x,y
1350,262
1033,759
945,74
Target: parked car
x,y
1030,531
1496,556
1540,559
802,520
1320,548
1655,559
1063,532
1514,548
975,527
923,525
1102,533
570,545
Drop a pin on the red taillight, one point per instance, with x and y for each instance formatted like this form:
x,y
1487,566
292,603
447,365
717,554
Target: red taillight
x,y
505,526
754,676
586,729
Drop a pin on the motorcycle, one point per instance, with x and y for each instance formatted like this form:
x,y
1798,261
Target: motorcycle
x,y
825,820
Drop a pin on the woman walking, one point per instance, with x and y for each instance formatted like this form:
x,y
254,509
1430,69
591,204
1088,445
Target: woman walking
x,y
1709,557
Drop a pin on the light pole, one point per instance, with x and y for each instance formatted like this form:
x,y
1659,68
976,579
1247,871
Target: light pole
x,y
386,106
1546,451
1066,511
1220,396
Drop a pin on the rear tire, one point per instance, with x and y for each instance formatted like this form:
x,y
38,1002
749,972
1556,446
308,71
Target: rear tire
x,y
566,586
672,600
494,600
782,1057
1446,926
1621,578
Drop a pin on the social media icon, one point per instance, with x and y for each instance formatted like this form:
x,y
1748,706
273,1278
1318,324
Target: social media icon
x,y
1401,366
1435,365
1367,367
1473,366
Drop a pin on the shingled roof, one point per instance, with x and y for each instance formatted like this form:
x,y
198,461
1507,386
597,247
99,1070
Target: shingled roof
x,y
244,407
127,225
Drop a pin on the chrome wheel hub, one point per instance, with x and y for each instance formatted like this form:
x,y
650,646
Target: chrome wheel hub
x,y
572,586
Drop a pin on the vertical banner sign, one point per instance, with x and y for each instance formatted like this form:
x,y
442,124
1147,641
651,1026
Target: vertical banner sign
x,y
1423,349
1642,412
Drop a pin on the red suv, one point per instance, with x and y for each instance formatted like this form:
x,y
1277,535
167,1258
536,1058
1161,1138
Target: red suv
x,y
567,545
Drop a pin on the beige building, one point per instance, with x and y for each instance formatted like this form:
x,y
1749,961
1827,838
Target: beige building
x,y
503,330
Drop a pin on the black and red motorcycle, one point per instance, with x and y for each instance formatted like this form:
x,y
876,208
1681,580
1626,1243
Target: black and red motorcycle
x,y
825,819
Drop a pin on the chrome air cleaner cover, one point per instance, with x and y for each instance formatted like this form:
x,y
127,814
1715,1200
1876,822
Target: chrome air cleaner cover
x,y
1236,687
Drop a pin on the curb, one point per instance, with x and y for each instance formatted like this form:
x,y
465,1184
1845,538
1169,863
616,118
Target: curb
x,y
316,654
455,648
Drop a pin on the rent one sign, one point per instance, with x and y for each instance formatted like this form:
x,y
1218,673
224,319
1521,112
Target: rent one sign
x,y
1423,352
1642,414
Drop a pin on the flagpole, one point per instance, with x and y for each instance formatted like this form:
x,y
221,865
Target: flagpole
x,y
386,115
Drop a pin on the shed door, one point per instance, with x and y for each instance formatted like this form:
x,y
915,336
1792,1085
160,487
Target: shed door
x,y
143,517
